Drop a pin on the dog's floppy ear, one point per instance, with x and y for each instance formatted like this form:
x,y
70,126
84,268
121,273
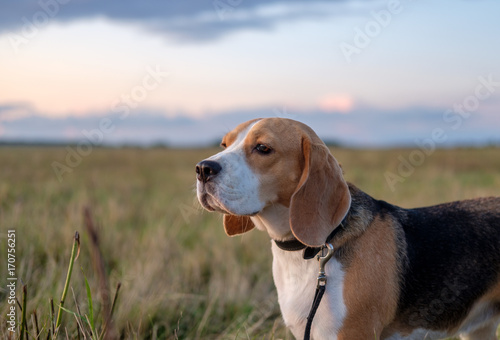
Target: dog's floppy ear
x,y
321,199
235,225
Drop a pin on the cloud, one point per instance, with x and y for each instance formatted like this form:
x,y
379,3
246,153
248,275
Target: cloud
x,y
179,19
337,102
362,127
14,111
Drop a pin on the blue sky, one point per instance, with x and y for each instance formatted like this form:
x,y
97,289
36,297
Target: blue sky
x,y
367,73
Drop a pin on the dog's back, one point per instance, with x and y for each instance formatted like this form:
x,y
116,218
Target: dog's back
x,y
452,263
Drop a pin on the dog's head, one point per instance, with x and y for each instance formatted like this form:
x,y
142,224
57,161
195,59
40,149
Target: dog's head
x,y
275,162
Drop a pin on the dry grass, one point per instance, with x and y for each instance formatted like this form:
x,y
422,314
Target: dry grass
x,y
181,276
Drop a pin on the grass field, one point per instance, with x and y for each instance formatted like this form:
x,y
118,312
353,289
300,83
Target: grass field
x,y
181,277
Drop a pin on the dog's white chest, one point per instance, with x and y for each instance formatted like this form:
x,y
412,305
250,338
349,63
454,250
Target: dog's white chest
x,y
295,280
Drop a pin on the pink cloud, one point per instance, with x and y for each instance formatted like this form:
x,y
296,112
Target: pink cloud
x,y
337,102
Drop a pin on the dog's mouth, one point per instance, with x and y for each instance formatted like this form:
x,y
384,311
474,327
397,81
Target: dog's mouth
x,y
203,199
210,203
215,199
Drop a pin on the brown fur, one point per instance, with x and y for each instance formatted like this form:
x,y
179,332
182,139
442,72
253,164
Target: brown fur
x,y
231,136
322,197
277,172
235,225
372,273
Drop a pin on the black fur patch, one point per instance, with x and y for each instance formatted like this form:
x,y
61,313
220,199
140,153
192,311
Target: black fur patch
x,y
449,256
453,258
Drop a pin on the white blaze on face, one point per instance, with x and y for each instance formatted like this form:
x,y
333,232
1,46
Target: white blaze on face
x,y
235,190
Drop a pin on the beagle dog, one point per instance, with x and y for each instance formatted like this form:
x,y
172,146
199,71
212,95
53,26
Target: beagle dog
x,y
425,273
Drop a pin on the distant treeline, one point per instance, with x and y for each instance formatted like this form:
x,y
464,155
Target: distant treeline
x,y
164,145
74,144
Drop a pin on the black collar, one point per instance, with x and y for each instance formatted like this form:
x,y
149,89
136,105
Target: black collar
x,y
309,252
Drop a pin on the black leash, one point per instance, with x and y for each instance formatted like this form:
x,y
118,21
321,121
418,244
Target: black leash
x,y
320,290
309,253
320,287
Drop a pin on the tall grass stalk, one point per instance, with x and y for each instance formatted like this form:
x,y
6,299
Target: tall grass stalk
x,y
23,317
75,251
108,319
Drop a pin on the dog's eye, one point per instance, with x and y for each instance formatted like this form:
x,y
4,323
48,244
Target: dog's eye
x,y
263,149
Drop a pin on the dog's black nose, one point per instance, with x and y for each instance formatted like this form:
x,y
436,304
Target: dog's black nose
x,y
206,170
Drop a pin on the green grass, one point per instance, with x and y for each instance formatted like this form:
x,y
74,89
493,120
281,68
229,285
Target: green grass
x,y
181,277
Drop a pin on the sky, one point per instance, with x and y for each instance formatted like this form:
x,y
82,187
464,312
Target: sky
x,y
362,73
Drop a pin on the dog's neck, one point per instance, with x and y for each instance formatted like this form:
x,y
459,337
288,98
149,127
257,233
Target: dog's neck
x,y
275,220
